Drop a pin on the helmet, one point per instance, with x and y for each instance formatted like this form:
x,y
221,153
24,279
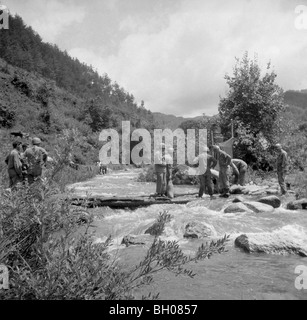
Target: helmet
x,y
36,141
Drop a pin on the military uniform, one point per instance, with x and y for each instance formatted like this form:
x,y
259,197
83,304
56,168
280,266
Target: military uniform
x,y
282,166
14,168
224,160
242,167
161,170
205,179
36,158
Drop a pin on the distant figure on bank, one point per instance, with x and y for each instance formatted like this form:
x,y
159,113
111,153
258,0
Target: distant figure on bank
x,y
224,160
36,158
14,164
160,171
102,168
242,167
282,167
205,163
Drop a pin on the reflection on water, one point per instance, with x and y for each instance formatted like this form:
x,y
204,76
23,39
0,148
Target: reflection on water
x,y
232,275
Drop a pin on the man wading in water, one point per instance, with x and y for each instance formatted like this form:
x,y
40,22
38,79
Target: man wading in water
x,y
224,160
160,170
206,163
282,167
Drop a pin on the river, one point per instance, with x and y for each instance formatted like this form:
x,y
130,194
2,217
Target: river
x,y
231,275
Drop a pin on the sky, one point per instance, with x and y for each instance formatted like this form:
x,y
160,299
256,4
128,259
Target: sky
x,y
174,54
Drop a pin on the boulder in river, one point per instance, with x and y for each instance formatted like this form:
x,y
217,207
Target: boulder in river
x,y
237,207
197,230
238,199
271,200
271,243
254,189
134,240
297,205
258,207
236,189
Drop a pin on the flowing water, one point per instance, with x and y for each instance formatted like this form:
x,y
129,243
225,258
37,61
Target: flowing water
x,y
231,275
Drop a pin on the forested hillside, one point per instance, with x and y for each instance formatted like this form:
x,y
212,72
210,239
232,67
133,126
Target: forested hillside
x,y
43,92
96,96
296,98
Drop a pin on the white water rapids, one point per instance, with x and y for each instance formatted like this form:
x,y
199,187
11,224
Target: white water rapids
x,y
232,275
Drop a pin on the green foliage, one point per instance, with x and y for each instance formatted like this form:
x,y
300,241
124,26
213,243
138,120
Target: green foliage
x,y
22,85
7,117
293,137
204,122
148,175
157,228
43,95
300,185
254,103
296,98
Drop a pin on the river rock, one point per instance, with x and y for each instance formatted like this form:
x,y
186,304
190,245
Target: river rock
x,y
272,201
272,243
237,207
197,230
258,207
254,189
297,205
134,240
238,199
236,189
272,191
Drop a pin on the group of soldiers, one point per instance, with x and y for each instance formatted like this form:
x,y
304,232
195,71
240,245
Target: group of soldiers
x,y
207,162
25,163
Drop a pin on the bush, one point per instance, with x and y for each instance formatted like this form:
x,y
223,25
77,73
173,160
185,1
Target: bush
x,y
22,85
300,185
148,175
7,117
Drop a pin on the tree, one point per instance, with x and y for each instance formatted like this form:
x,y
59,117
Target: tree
x,y
254,102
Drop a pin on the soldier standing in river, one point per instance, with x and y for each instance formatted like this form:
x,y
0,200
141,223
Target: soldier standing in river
x,y
224,160
282,167
169,173
160,171
206,162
